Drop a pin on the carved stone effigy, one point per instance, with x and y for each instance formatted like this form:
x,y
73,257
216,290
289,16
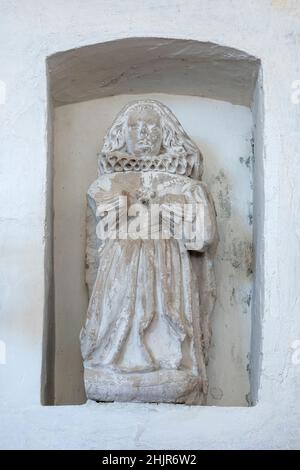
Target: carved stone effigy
x,y
151,239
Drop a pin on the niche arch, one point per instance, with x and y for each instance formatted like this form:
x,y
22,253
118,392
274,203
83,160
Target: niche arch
x,y
138,66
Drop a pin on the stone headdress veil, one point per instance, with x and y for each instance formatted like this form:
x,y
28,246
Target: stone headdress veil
x,y
178,155
178,152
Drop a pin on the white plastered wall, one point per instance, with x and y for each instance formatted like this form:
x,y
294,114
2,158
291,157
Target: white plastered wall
x,y
33,30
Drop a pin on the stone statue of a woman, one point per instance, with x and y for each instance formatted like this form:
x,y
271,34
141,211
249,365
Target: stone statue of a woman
x,y
151,291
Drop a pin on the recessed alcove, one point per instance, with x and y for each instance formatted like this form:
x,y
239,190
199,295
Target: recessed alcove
x,y
215,92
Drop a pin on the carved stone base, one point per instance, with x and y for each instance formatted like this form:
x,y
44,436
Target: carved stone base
x,y
164,386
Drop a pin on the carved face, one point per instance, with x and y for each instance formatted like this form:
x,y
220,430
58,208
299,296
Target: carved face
x,y
144,133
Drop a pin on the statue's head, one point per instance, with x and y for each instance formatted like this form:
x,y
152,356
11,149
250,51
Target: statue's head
x,y
143,132
147,136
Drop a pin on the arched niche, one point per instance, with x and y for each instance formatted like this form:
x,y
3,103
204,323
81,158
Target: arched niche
x,y
137,66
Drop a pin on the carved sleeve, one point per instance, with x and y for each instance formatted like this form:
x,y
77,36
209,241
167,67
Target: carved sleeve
x,y
92,246
112,205
204,228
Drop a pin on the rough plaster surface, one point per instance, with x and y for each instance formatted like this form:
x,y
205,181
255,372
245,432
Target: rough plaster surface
x,y
30,31
135,426
223,133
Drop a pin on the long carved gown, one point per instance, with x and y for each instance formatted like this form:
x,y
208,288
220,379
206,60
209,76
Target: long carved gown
x,y
146,332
